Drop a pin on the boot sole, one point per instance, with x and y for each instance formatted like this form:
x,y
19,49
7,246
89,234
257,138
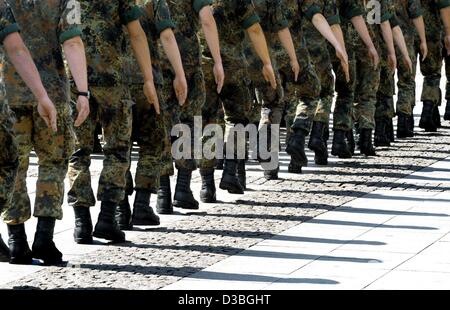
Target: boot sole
x,y
145,223
185,205
164,212
230,188
21,261
84,240
107,237
208,200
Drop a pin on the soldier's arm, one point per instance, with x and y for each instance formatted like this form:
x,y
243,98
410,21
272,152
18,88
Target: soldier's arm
x,y
321,24
209,28
286,40
76,60
172,52
420,27
339,35
401,43
141,50
361,27
386,32
256,36
445,15
20,57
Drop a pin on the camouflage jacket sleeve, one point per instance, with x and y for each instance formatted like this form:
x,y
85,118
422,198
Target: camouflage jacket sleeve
x,y
394,21
163,20
351,8
128,11
69,21
414,9
309,8
442,4
198,5
7,22
246,13
386,10
330,12
278,16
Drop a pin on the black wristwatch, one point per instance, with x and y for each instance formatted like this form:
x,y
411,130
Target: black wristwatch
x,y
84,94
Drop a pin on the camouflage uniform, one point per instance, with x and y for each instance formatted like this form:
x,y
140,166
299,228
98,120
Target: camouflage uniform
x,y
318,49
368,78
431,67
186,17
9,155
103,23
346,90
52,149
406,10
148,128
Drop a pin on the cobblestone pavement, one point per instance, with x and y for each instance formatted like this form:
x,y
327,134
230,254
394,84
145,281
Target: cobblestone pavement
x,y
160,256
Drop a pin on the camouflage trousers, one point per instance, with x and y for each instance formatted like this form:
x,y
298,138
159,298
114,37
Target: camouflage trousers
x,y
302,97
406,81
53,151
318,50
447,72
9,156
149,132
385,105
183,115
342,115
367,83
431,67
111,107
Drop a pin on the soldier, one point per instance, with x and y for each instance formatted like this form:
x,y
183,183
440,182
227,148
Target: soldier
x,y
275,26
189,17
52,149
437,18
320,57
102,27
304,95
149,129
21,59
447,87
234,19
354,28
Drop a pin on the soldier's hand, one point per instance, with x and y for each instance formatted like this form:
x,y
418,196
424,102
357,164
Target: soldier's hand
x,y
424,50
83,110
447,44
407,61
269,75
181,89
296,69
374,57
343,57
219,76
392,62
152,96
47,111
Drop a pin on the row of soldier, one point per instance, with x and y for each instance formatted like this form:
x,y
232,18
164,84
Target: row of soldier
x,y
137,67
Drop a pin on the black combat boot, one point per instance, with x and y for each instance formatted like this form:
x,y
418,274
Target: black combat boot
x,y
184,198
143,213
43,246
296,147
4,252
350,136
426,119
447,111
390,130
381,138
294,167
83,225
317,144
273,174
164,196
326,134
340,147
403,130
208,191
365,142
241,173
230,181
107,227
123,214
437,117
19,251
